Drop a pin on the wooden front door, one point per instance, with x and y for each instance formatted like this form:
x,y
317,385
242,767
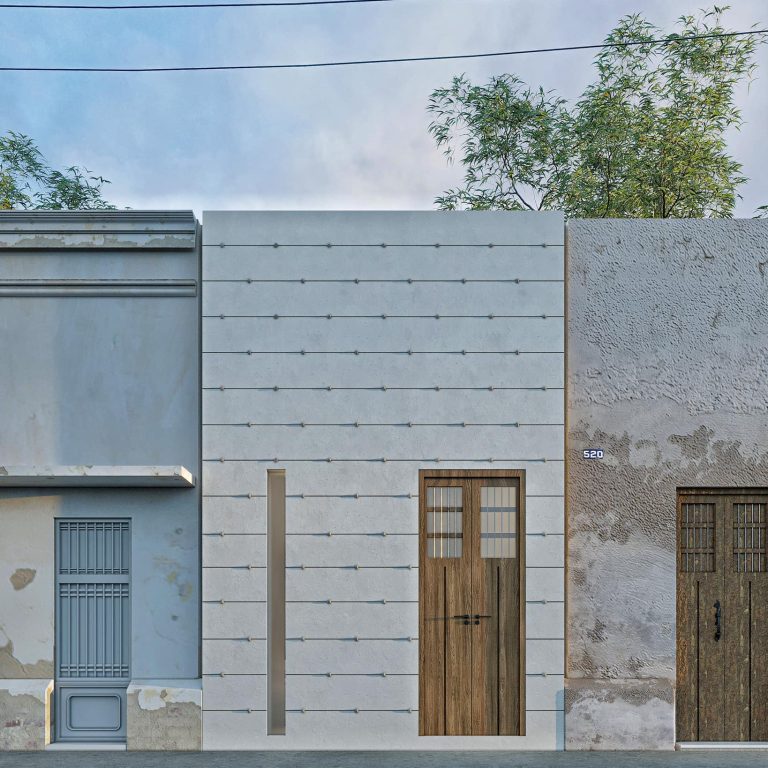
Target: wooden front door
x,y
722,615
471,605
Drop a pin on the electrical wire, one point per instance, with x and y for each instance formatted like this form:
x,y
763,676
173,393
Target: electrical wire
x,y
405,59
167,6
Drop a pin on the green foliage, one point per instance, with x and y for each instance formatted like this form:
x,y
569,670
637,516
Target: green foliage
x,y
26,180
647,139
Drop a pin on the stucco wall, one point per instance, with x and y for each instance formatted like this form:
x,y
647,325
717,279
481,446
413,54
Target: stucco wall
x,y
352,633
95,371
667,367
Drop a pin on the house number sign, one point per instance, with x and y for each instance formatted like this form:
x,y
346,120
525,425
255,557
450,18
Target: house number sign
x,y
593,453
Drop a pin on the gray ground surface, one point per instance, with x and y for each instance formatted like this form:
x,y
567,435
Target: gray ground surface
x,y
688,759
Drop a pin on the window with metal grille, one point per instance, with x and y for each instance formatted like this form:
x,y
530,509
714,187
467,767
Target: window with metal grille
x,y
93,546
92,617
444,522
697,538
93,599
498,521
749,540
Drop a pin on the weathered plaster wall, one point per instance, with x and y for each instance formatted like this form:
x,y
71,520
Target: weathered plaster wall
x,y
667,368
343,692
25,714
164,715
100,366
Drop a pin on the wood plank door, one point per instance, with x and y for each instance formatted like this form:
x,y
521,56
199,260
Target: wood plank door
x,y
471,663
745,625
722,620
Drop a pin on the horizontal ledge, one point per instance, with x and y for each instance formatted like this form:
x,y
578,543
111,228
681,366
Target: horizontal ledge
x,y
351,674
489,246
379,352
97,241
98,230
97,288
349,711
355,496
385,388
83,475
379,534
362,280
425,460
371,601
487,316
384,424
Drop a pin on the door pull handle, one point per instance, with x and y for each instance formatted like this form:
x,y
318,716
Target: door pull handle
x,y
464,616
479,616
718,619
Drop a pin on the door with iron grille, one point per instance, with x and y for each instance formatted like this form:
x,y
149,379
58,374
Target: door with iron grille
x,y
471,610
92,629
722,615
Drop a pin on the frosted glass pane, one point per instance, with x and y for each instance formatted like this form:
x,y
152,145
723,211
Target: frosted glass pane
x,y
444,522
498,521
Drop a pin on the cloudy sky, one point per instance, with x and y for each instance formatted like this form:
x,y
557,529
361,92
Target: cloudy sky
x,y
351,137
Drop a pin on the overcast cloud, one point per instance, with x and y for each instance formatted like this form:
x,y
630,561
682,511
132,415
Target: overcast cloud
x,y
332,138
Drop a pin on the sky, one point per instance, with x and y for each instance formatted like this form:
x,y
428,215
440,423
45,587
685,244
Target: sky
x,y
339,138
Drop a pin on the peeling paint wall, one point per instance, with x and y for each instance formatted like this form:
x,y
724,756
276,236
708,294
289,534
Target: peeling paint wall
x,y
100,341
667,367
25,714
163,715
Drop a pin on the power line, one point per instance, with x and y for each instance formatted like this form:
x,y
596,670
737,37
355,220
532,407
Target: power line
x,y
358,62
153,6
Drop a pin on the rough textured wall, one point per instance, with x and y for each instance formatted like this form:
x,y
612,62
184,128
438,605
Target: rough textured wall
x,y
25,714
164,715
668,373
352,645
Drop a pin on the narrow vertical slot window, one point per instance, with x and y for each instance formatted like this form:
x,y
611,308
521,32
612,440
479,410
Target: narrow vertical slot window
x,y
276,602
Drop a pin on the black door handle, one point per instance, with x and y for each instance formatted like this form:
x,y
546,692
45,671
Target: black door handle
x,y
479,616
718,617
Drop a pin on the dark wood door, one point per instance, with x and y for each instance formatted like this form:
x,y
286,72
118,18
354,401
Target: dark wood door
x,y
471,609
722,616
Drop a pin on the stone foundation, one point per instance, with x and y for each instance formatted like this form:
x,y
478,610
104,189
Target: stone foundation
x,y
25,714
619,714
165,714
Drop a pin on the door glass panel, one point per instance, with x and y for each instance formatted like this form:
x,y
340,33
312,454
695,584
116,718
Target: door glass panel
x,y
444,522
498,521
697,538
749,545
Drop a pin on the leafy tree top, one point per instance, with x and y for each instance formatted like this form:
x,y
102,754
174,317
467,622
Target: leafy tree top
x,y
28,182
646,139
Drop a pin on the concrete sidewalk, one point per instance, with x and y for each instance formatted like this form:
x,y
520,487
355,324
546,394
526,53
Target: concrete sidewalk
x,y
686,759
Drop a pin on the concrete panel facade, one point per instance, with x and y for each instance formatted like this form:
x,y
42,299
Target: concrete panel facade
x,y
99,327
441,335
667,361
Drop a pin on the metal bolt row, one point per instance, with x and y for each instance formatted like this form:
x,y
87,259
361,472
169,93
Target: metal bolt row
x,y
383,316
386,245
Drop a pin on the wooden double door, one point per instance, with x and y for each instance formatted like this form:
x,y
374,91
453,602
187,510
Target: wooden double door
x,y
722,615
471,604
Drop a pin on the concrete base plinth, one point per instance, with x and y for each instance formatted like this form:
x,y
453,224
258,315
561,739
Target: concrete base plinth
x,y
619,714
165,714
25,714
